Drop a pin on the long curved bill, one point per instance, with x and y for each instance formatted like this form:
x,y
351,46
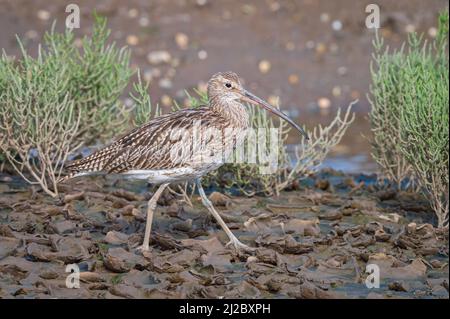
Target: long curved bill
x,y
256,100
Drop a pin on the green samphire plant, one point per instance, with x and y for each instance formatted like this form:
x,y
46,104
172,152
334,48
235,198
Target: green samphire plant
x,y
65,97
410,114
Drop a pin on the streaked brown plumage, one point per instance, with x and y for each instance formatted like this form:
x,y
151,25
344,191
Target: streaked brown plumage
x,y
153,149
148,146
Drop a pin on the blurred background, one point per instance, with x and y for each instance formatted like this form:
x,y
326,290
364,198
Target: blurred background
x,y
311,57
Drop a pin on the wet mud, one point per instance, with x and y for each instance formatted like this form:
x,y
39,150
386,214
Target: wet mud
x,y
312,242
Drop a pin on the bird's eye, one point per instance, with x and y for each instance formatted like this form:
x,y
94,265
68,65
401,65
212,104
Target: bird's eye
x,y
228,85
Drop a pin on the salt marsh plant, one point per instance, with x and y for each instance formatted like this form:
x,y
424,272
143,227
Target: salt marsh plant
x,y
38,120
304,161
410,114
66,96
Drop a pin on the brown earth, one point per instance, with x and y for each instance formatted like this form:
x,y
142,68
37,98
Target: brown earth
x,y
311,243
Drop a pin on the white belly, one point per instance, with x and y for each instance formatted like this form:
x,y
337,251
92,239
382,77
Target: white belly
x,y
160,176
164,175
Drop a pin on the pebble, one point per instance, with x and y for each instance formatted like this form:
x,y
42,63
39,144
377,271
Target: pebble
x,y
437,264
166,100
290,46
118,34
175,62
336,91
180,94
137,214
324,17
140,51
132,40
293,79
148,76
386,33
310,44
324,103
133,13
336,25
410,28
411,228
48,274
43,15
226,15
331,215
355,94
115,238
201,3
171,72
264,66
31,34
440,291
381,235
6,179
248,9
144,21
219,199
202,86
165,83
78,42
398,286
182,40
322,184
251,259
321,48
432,32
274,6
342,70
156,72
202,54
152,73
128,102
273,100
159,57
334,48
292,112
64,226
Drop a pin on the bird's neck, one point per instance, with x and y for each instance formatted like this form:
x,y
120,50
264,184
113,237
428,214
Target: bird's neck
x,y
233,111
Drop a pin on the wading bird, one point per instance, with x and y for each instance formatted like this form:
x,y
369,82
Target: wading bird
x,y
162,151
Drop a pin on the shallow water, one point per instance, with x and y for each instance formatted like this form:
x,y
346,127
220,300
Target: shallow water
x,y
351,165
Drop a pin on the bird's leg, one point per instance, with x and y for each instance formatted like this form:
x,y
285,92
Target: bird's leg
x,y
233,240
150,209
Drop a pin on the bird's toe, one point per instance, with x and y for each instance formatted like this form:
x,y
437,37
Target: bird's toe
x,y
239,246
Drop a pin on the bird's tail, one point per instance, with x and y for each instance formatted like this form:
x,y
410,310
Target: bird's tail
x,y
88,165
67,177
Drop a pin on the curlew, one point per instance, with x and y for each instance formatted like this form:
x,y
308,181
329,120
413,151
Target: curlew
x,y
165,150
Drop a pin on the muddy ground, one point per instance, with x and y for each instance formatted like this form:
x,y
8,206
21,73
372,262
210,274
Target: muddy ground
x,y
311,242
313,55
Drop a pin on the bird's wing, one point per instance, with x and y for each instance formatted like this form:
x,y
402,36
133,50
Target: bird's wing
x,y
147,147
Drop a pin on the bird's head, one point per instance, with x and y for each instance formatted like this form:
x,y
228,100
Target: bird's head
x,y
226,87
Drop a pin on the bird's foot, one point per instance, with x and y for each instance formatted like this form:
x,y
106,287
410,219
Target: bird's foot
x,y
143,250
240,247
